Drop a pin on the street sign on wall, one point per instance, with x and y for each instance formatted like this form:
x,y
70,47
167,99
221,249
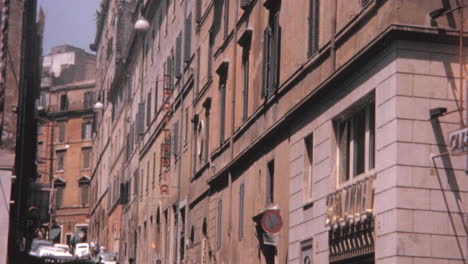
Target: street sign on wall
x,y
271,221
458,142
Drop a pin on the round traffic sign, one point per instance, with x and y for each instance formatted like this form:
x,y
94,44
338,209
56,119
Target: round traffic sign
x,y
271,221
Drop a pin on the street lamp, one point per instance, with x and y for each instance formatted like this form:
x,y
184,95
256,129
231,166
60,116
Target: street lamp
x,y
98,105
142,25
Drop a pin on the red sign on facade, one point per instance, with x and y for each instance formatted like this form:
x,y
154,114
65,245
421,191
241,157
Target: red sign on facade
x,y
272,221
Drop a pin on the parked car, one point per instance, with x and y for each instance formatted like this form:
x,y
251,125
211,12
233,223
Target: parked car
x,y
107,258
64,246
37,244
55,252
82,250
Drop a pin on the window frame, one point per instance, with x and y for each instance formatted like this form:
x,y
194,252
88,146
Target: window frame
x,y
347,174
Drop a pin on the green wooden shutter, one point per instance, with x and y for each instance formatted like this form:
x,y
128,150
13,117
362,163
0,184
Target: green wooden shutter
x,y
266,58
141,119
188,38
313,27
275,62
198,10
178,58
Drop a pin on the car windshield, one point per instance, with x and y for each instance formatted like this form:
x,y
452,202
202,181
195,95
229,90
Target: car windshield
x,y
82,246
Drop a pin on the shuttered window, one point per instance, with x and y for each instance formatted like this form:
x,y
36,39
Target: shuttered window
x,y
63,102
156,88
88,99
188,38
198,11
148,110
226,18
175,138
245,4
86,158
271,55
178,55
60,160
222,108
270,183
241,210
61,129
219,224
86,130
141,119
313,27
245,82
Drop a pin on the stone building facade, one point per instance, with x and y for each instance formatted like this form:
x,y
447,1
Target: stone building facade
x,y
21,29
65,140
267,131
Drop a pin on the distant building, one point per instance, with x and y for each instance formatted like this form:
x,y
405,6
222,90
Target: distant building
x,y
65,139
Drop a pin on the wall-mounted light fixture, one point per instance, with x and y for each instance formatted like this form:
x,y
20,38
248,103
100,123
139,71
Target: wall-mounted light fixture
x,y
98,105
142,25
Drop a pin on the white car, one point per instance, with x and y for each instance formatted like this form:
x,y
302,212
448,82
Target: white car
x,y
107,258
64,246
82,250
46,251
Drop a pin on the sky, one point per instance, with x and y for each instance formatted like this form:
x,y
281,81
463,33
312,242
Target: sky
x,y
69,22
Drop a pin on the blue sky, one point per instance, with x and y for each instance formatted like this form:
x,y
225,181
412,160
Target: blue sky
x,y
69,22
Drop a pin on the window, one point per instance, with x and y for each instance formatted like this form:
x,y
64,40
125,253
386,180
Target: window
x,y
88,99
219,224
63,102
241,210
147,175
60,160
186,125
271,55
148,110
154,168
61,130
308,166
226,18
222,108
86,158
156,91
245,83
356,142
270,183
188,38
83,183
178,58
313,27
245,4
175,139
198,11
86,130
59,185
135,180
307,252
